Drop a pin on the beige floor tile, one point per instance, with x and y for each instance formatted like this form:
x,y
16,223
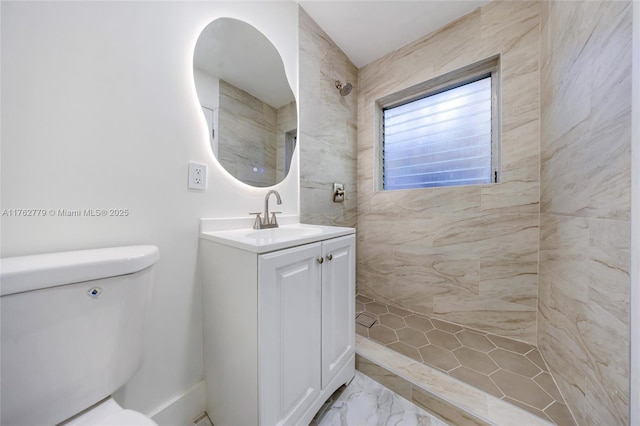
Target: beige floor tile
x,y
476,341
499,366
515,363
363,299
391,321
399,312
475,360
560,414
443,339
522,389
439,357
545,381
362,330
418,322
535,357
412,337
511,345
382,334
481,381
446,326
376,308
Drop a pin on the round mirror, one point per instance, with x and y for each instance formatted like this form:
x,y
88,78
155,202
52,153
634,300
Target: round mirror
x,y
247,102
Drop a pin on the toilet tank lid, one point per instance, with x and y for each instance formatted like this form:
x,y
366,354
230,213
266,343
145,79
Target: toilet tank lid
x,y
26,273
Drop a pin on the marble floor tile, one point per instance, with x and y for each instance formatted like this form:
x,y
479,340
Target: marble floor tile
x,y
367,403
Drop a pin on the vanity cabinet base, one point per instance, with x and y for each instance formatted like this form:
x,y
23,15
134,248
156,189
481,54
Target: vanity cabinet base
x,y
279,334
343,377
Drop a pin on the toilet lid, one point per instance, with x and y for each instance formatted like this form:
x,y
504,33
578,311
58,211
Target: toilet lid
x,y
126,418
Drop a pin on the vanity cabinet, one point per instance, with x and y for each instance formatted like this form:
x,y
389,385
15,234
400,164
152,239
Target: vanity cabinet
x,y
279,330
289,327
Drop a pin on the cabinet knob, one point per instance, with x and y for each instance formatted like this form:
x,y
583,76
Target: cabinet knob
x,y
330,257
321,260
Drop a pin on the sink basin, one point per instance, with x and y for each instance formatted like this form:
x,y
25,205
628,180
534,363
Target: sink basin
x,y
283,233
267,240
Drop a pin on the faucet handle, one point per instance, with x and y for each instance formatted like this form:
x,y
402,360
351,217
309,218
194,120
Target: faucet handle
x,y
258,223
274,220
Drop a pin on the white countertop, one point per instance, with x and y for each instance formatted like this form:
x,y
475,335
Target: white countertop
x,y
268,240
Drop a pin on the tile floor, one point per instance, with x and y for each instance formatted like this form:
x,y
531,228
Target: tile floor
x,y
366,402
202,421
508,369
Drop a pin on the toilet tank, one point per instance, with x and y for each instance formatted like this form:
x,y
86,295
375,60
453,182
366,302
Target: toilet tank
x,y
72,329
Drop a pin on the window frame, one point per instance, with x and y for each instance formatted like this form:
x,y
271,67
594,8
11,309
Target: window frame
x,y
433,86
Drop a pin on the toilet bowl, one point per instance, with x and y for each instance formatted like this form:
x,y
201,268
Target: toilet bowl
x,y
72,328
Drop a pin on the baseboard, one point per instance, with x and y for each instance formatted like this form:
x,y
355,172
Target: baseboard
x,y
183,409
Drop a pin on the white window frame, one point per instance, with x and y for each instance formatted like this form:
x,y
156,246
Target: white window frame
x,y
450,80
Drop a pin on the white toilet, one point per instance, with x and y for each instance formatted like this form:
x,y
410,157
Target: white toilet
x,y
72,331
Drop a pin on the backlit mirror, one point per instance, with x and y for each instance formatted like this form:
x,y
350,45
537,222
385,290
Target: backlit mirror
x,y
247,102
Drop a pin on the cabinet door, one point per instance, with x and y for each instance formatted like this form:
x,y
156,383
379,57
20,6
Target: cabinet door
x,y
289,297
338,305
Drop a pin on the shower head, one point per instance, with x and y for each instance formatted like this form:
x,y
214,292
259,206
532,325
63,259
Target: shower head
x,y
344,89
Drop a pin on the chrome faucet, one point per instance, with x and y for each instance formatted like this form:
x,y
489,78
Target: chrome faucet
x,y
266,222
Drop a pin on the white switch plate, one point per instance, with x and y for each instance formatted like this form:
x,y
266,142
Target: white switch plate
x,y
197,176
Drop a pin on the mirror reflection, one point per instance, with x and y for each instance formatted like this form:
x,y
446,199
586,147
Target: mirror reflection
x,y
247,102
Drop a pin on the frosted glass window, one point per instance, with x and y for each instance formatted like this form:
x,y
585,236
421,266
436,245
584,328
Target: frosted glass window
x,y
443,139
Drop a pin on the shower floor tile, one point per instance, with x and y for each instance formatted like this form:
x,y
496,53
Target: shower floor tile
x,y
508,369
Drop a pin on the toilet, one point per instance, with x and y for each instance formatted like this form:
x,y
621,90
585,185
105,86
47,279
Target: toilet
x,y
72,332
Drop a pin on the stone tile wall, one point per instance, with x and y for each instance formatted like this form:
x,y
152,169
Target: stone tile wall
x,y
248,128
327,132
286,121
468,254
585,205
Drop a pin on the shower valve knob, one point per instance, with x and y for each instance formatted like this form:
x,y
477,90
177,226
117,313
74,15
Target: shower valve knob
x,y
338,192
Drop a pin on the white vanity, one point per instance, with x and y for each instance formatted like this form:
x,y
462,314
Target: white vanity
x,y
279,334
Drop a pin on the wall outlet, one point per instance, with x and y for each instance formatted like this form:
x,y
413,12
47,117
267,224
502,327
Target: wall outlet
x,y
197,176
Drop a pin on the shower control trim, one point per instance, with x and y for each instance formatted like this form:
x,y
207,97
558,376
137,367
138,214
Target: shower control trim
x,y
338,192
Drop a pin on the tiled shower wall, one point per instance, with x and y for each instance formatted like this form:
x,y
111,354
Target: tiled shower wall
x,y
327,128
254,134
248,141
585,205
464,254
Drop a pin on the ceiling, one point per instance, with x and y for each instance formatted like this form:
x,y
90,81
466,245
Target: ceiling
x,y
366,30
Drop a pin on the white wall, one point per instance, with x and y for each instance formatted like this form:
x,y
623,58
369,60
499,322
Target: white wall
x,y
99,110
